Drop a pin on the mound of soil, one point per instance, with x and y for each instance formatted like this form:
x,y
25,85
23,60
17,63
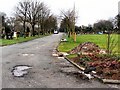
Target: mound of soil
x,y
107,67
87,48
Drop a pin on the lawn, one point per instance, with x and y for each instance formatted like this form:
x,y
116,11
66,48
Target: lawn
x,y
4,42
100,40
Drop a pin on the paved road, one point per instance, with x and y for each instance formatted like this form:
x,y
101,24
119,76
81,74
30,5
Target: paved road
x,y
47,71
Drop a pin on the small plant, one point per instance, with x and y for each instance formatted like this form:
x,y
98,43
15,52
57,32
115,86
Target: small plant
x,y
111,44
83,60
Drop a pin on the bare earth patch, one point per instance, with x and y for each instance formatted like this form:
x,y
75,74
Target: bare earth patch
x,y
107,67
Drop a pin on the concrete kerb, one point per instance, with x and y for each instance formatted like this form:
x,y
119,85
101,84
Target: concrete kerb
x,y
58,45
107,81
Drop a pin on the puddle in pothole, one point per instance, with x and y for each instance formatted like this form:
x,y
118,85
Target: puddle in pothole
x,y
20,70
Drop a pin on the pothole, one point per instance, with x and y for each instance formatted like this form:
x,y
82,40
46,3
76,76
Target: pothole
x,y
20,70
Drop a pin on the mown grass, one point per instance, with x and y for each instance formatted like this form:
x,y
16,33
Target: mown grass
x,y
100,40
4,42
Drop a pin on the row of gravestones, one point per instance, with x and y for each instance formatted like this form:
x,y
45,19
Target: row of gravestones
x,y
10,34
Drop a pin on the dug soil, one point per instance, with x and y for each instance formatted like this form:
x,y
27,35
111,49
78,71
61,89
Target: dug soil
x,y
107,66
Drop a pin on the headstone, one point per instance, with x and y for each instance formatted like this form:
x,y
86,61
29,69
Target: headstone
x,y
15,35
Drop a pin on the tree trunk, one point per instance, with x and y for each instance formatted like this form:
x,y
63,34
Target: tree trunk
x,y
74,36
33,30
39,29
24,29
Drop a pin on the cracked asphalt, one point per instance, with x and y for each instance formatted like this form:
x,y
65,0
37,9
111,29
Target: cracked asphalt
x,y
47,71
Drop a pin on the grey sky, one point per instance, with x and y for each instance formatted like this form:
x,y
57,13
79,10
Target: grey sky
x,y
119,7
89,11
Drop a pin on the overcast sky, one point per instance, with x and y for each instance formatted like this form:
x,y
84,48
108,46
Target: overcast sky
x,y
89,11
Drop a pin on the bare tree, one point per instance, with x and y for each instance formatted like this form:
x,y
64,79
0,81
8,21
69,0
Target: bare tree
x,y
21,12
44,14
103,26
11,22
51,23
118,22
33,12
34,9
69,19
2,24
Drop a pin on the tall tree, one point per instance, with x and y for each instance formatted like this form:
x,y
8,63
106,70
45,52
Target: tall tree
x,y
2,24
43,15
118,22
103,25
34,9
21,12
11,22
33,12
51,23
69,19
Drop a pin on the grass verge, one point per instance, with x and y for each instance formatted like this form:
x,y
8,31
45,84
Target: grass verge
x,y
100,40
5,42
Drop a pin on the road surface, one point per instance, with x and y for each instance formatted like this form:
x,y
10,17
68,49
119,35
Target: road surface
x,y
47,71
